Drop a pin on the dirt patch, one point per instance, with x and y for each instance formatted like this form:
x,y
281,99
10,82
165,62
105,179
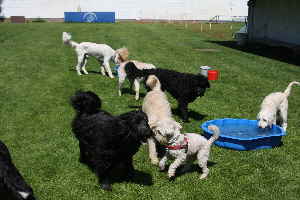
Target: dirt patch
x,y
207,50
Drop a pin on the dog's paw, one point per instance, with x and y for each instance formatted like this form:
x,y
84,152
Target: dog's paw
x,y
106,187
203,176
172,178
154,161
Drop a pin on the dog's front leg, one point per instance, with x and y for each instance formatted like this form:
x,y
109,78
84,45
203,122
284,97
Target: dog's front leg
x,y
152,151
121,82
180,159
162,162
106,185
107,69
84,64
137,88
103,177
80,60
283,114
183,108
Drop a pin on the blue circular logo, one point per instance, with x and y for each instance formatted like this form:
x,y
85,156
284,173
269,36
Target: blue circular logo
x,y
90,17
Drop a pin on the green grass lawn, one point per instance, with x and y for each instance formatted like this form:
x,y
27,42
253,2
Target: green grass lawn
x,y
37,78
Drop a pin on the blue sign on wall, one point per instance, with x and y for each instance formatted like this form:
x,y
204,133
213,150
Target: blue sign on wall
x,y
90,17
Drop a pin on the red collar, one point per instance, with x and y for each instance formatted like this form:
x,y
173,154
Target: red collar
x,y
179,146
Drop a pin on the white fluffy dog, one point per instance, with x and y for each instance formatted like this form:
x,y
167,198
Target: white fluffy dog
x,y
159,114
274,108
102,52
188,147
122,59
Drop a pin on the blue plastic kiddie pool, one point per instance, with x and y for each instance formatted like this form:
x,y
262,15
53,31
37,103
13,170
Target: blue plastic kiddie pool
x,y
244,134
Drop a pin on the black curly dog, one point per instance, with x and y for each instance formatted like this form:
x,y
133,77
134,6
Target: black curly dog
x,y
184,87
107,141
12,184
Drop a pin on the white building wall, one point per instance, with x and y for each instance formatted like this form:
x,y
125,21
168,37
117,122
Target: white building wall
x,y
278,21
129,9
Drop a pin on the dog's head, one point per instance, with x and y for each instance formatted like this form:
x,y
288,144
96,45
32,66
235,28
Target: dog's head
x,y
66,37
152,82
86,102
202,84
264,120
138,123
121,55
165,129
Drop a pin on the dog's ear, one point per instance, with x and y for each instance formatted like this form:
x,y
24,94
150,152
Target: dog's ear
x,y
258,116
123,54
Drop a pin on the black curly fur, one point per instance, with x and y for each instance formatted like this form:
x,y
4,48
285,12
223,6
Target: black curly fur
x,y
11,181
184,87
107,141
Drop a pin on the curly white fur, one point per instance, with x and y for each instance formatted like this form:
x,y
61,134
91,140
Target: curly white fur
x,y
122,76
198,148
102,52
274,108
159,114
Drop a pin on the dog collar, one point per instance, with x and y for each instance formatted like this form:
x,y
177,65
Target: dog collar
x,y
179,146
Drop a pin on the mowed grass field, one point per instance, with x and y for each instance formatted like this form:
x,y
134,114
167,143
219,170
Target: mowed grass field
x,y
37,78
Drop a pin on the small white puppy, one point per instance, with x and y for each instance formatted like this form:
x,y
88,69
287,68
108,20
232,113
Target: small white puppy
x,y
123,60
102,52
274,108
159,114
188,147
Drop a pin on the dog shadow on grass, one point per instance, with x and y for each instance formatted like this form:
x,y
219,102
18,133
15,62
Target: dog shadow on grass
x,y
192,114
132,92
190,169
138,177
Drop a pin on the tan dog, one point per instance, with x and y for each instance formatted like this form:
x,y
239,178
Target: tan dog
x,y
159,114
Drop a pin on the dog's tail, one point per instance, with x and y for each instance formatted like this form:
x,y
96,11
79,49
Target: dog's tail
x,y
216,134
66,37
86,102
289,88
133,72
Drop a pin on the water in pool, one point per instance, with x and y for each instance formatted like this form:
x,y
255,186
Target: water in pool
x,y
244,131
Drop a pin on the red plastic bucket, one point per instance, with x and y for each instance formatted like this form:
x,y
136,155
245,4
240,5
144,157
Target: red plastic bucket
x,y
213,74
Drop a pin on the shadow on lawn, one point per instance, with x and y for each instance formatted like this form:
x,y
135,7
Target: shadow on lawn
x,y
192,114
139,177
190,169
132,92
282,54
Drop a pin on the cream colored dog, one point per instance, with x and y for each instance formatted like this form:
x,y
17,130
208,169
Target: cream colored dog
x,y
159,114
102,52
274,108
188,147
123,60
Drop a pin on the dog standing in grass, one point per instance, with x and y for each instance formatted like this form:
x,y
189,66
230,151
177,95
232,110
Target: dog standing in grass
x,y
188,147
106,141
102,52
123,60
274,108
12,184
158,110
184,87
